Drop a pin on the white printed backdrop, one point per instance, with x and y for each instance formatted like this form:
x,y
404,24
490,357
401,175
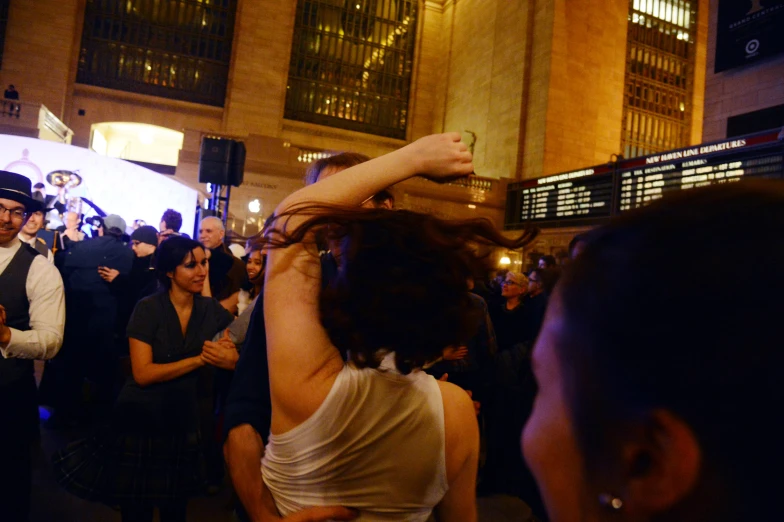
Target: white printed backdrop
x,y
114,185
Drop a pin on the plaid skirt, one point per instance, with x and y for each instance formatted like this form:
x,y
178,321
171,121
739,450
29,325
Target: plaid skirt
x,y
120,468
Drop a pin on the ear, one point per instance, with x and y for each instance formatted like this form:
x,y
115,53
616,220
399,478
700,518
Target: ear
x,y
662,464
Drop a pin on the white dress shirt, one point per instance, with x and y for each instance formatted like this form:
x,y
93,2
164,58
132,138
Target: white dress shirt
x,y
47,309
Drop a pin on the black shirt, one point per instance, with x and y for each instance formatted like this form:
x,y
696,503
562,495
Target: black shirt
x,y
130,289
533,316
508,324
227,273
172,404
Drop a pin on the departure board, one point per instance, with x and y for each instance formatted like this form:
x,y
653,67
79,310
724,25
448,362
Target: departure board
x,y
646,179
581,195
590,196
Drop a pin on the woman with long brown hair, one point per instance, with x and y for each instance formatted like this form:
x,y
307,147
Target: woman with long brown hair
x,y
375,433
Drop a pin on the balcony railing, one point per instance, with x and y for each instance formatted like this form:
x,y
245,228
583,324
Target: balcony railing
x,y
32,120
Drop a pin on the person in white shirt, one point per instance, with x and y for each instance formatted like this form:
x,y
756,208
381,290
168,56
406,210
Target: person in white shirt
x,y
32,317
29,234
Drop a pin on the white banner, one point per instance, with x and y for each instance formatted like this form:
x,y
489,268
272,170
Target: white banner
x,y
114,185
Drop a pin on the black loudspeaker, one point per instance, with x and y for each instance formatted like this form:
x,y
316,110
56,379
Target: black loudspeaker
x,y
237,174
222,161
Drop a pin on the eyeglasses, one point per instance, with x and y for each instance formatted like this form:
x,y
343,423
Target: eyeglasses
x,y
17,213
510,283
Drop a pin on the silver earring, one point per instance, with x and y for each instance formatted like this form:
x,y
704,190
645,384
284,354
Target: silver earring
x,y
610,501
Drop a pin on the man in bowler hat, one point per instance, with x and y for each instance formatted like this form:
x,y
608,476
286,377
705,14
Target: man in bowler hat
x,y
32,316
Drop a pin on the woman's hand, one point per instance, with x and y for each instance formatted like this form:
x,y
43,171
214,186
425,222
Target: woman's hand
x,y
108,274
221,354
455,353
440,157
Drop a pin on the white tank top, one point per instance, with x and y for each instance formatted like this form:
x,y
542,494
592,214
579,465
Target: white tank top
x,y
375,444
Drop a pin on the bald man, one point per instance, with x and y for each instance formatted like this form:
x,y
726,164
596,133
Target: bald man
x,y
69,232
227,273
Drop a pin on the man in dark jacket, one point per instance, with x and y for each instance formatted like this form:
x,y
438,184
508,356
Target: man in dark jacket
x,y
227,273
138,284
91,314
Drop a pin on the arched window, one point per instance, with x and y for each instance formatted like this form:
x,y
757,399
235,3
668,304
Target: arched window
x,y
171,48
659,76
351,63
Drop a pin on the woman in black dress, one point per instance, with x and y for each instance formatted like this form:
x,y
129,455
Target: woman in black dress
x,y
151,454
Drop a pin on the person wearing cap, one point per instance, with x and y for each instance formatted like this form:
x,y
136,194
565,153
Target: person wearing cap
x,y
144,242
32,317
137,285
92,305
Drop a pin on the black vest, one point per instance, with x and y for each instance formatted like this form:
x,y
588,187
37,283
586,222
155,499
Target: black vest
x,y
41,248
13,296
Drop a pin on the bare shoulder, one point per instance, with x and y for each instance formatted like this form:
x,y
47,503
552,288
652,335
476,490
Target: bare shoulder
x,y
456,400
460,427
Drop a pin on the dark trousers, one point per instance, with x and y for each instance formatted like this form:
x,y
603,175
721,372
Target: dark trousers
x,y
508,409
89,355
18,424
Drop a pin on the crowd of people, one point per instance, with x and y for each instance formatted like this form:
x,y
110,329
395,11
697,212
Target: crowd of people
x,y
366,362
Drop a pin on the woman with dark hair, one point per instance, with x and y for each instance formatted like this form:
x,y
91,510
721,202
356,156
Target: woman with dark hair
x,y
375,433
151,455
254,266
577,245
547,261
661,401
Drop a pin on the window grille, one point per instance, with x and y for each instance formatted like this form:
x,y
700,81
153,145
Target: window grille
x,y
177,49
351,63
659,79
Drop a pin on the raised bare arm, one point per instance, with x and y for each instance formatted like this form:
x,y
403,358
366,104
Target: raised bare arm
x,y
302,361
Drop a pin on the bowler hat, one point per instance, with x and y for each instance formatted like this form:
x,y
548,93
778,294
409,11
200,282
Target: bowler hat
x,y
16,187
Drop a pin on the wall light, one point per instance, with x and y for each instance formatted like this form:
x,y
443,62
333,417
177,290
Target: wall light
x,y
505,261
146,137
